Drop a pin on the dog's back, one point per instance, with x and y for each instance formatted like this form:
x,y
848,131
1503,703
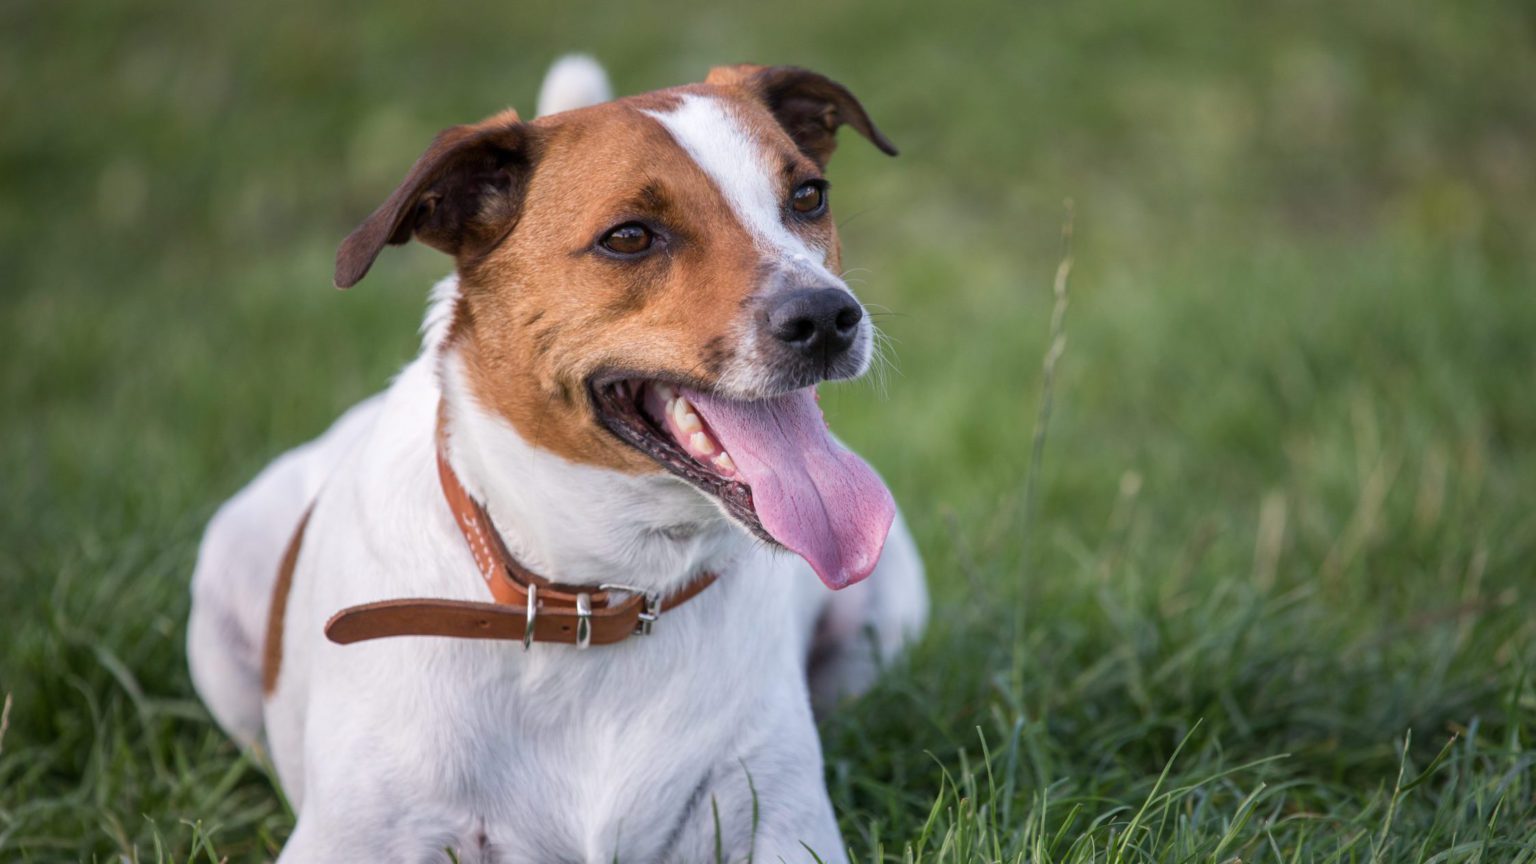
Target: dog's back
x,y
238,562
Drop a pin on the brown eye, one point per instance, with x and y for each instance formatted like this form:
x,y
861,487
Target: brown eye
x,y
631,238
809,199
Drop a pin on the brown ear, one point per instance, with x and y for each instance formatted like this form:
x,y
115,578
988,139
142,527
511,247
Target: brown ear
x,y
809,106
461,197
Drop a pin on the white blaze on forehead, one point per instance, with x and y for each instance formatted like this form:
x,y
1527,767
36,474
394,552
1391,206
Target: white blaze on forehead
x,y
740,168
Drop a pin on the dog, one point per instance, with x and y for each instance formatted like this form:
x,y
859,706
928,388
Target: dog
x,y
560,593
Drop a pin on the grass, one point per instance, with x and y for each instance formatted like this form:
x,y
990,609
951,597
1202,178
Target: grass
x,y
1263,592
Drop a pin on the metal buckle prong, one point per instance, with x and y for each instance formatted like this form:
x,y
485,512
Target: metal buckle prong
x,y
648,615
532,615
583,620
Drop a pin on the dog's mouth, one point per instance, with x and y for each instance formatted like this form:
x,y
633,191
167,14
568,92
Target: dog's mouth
x,y
771,463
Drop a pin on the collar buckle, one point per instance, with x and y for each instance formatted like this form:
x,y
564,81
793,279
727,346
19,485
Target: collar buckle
x,y
648,615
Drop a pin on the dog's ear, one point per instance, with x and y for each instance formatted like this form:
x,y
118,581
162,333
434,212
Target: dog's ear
x,y
809,106
461,197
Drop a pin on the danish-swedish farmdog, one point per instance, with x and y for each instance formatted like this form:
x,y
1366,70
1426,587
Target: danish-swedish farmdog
x,y
533,602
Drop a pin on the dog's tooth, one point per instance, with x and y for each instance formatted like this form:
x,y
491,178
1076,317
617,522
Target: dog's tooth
x,y
666,393
702,443
725,463
684,416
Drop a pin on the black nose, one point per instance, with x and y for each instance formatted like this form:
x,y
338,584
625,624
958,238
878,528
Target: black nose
x,y
817,322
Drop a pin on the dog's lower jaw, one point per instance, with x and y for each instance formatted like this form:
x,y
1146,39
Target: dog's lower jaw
x,y
580,524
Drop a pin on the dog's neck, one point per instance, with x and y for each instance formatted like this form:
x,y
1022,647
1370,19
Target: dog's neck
x,y
578,524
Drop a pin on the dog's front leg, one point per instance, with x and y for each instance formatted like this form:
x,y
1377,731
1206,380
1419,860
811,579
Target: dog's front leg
x,y
806,840
821,843
362,833
336,839
767,807
306,844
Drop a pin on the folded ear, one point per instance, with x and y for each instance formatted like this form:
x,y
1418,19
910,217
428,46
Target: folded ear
x,y
809,106
461,197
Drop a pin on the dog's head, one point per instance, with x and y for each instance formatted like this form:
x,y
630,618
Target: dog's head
x,y
653,284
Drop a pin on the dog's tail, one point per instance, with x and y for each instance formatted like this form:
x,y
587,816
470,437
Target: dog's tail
x,y
574,81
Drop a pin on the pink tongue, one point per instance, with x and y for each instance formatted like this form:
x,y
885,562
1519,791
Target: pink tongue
x,y
811,494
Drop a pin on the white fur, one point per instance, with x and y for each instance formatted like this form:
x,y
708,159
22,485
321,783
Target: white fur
x,y
705,128
574,81
399,749
236,564
440,301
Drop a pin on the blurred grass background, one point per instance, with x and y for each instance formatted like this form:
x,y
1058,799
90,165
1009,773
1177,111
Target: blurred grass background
x,y
1285,508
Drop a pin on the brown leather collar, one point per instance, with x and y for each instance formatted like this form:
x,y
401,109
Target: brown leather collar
x,y
525,607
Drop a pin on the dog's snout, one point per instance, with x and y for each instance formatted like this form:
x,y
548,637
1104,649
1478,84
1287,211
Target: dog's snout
x,y
819,323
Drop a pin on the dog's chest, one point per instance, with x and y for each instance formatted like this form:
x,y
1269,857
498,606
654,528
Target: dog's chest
x,y
575,757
